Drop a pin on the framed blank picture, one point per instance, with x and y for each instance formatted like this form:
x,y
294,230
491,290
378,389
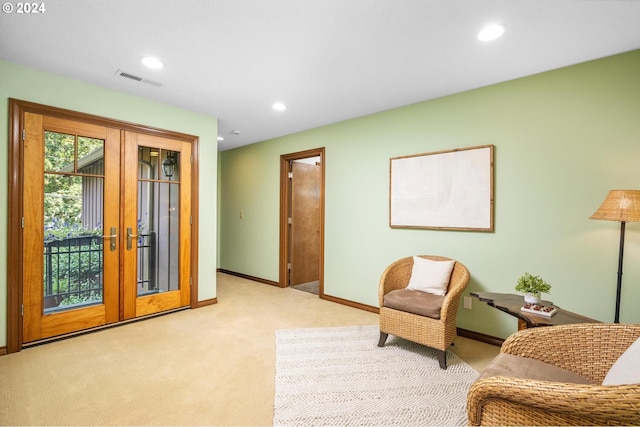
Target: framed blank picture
x,y
447,190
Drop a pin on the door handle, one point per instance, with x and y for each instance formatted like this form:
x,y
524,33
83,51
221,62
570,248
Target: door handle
x,y
112,239
130,238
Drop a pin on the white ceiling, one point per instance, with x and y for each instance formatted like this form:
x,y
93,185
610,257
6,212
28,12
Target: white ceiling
x,y
328,60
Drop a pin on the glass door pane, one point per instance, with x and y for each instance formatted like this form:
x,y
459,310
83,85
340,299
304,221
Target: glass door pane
x,y
158,221
156,217
73,218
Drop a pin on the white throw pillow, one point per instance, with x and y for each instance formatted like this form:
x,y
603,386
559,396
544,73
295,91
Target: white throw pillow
x,y
626,370
430,276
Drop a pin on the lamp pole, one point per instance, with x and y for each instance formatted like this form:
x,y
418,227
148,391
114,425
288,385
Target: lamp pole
x,y
619,284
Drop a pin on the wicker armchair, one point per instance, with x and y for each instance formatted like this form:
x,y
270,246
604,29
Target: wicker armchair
x,y
431,332
588,350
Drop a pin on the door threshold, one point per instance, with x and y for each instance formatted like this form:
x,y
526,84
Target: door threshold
x,y
99,328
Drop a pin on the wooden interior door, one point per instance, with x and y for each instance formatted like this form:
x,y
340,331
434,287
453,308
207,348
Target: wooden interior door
x,y
156,224
305,223
70,226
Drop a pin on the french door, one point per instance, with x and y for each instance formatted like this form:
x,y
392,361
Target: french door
x,y
106,225
156,211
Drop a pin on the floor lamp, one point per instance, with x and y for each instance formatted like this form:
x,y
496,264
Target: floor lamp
x,y
623,206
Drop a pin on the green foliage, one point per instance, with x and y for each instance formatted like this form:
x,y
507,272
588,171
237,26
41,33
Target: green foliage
x,y
62,198
59,151
73,266
62,188
58,230
532,284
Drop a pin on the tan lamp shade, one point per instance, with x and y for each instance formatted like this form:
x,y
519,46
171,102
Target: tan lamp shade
x,y
620,205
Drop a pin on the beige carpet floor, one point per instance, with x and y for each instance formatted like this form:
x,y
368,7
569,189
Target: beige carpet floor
x,y
210,366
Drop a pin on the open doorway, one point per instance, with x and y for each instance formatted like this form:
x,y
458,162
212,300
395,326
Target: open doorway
x,y
302,220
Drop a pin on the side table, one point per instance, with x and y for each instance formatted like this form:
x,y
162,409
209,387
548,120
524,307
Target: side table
x,y
511,304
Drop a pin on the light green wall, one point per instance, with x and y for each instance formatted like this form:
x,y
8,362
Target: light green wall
x,y
562,140
36,86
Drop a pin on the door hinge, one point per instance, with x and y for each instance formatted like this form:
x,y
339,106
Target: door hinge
x,y
290,175
191,158
289,266
22,222
190,281
190,219
289,221
24,134
22,310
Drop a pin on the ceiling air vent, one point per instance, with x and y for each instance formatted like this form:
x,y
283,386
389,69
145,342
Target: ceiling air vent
x,y
137,78
129,76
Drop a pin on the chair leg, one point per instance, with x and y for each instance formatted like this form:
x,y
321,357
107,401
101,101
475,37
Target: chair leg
x,y
442,359
383,339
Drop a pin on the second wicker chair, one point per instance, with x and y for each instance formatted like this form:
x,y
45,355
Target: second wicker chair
x,y
500,397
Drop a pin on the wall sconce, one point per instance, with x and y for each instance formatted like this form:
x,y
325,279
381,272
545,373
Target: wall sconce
x,y
169,165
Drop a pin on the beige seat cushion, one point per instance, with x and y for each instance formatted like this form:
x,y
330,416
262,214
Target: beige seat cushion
x,y
508,365
416,302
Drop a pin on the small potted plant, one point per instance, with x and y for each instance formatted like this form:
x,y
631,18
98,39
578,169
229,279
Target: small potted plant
x,y
532,287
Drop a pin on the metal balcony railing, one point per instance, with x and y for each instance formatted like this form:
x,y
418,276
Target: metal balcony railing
x,y
147,264
73,270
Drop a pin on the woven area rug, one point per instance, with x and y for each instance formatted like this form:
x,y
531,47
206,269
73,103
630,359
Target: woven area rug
x,y
340,377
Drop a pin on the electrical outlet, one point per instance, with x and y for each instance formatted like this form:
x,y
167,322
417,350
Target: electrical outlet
x,y
467,303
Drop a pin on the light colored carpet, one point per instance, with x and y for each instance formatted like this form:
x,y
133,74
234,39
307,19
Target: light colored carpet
x,y
339,376
210,366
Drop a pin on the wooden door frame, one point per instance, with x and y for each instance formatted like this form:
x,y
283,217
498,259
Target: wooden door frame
x,y
285,188
15,279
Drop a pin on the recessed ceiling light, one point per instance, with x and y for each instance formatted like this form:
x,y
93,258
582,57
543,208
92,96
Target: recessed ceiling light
x,y
151,62
491,32
279,106
221,138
